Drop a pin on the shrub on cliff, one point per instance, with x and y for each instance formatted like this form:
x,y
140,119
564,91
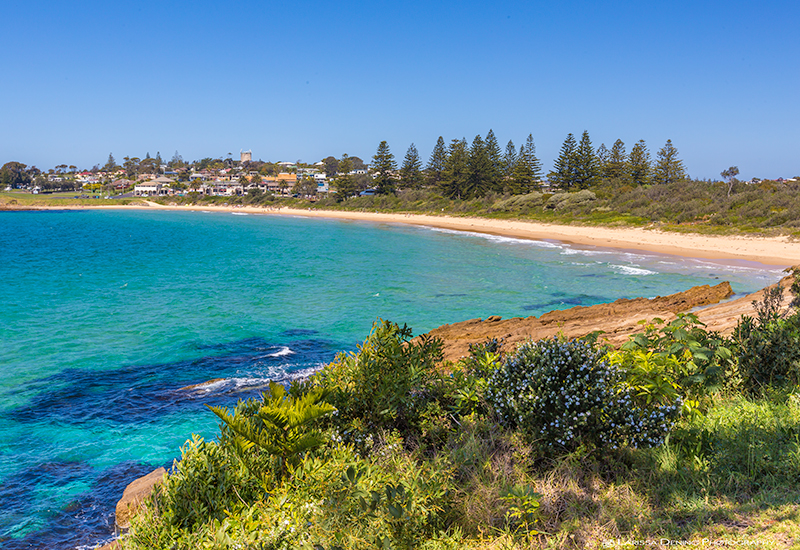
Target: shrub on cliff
x,y
277,426
695,360
387,384
565,394
768,346
207,483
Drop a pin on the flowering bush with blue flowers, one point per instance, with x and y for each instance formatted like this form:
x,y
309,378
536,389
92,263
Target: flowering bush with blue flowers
x,y
566,393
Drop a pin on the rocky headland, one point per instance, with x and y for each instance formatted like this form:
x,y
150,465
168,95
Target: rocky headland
x,y
617,320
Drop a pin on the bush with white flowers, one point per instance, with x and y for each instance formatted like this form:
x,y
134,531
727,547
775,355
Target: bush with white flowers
x,y
565,393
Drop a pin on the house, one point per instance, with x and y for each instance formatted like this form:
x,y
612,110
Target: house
x,y
286,180
158,187
148,189
222,189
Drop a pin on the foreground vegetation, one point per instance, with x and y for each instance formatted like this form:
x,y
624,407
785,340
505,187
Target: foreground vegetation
x,y
681,435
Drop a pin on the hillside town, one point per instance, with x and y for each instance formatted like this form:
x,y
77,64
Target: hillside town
x,y
151,177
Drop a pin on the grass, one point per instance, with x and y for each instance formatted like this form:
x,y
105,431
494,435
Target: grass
x,y
62,200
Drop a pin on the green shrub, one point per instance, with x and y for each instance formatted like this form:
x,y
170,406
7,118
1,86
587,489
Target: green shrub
x,y
696,360
335,500
278,425
566,394
768,346
387,384
519,202
564,201
205,483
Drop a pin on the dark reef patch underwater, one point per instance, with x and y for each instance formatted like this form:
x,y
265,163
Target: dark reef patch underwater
x,y
133,395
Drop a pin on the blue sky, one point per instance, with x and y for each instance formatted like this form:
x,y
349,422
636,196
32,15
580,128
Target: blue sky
x,y
306,79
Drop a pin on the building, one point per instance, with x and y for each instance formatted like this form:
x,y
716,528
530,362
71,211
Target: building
x,y
154,188
148,189
246,156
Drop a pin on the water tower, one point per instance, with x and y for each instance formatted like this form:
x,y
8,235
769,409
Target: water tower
x,y
246,156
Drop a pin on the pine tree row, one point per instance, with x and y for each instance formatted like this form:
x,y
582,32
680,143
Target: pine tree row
x,y
464,171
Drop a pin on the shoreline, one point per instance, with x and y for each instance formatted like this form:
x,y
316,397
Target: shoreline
x,y
768,251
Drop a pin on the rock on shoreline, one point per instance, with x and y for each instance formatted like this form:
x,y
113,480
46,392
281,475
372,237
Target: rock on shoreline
x,y
618,320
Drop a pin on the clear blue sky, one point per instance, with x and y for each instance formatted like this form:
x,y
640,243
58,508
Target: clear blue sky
x,y
308,79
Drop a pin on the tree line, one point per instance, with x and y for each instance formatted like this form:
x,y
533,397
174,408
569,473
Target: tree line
x,y
460,170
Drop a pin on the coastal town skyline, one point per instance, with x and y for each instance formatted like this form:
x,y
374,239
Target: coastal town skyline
x,y
306,81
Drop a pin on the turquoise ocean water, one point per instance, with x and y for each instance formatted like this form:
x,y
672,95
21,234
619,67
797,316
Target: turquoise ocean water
x,y
106,315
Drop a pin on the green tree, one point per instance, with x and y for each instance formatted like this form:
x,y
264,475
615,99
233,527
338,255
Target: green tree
x,y
357,163
344,184
305,187
602,159
729,175
177,161
456,170
587,171
617,166
527,171
131,166
383,167
436,164
331,166
495,161
111,164
479,165
411,171
147,165
564,171
639,166
509,159
14,174
669,168
534,162
158,162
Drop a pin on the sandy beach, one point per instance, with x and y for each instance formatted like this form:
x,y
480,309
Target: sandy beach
x,y
773,251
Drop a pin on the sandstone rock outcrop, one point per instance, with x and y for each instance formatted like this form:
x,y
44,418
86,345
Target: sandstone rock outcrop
x,y
133,496
618,320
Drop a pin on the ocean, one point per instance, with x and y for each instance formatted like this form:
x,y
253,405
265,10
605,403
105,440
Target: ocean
x,y
106,315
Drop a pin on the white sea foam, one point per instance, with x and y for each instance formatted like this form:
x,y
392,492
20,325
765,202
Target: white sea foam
x,y
249,383
569,251
306,372
498,238
284,351
246,383
630,270
240,213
